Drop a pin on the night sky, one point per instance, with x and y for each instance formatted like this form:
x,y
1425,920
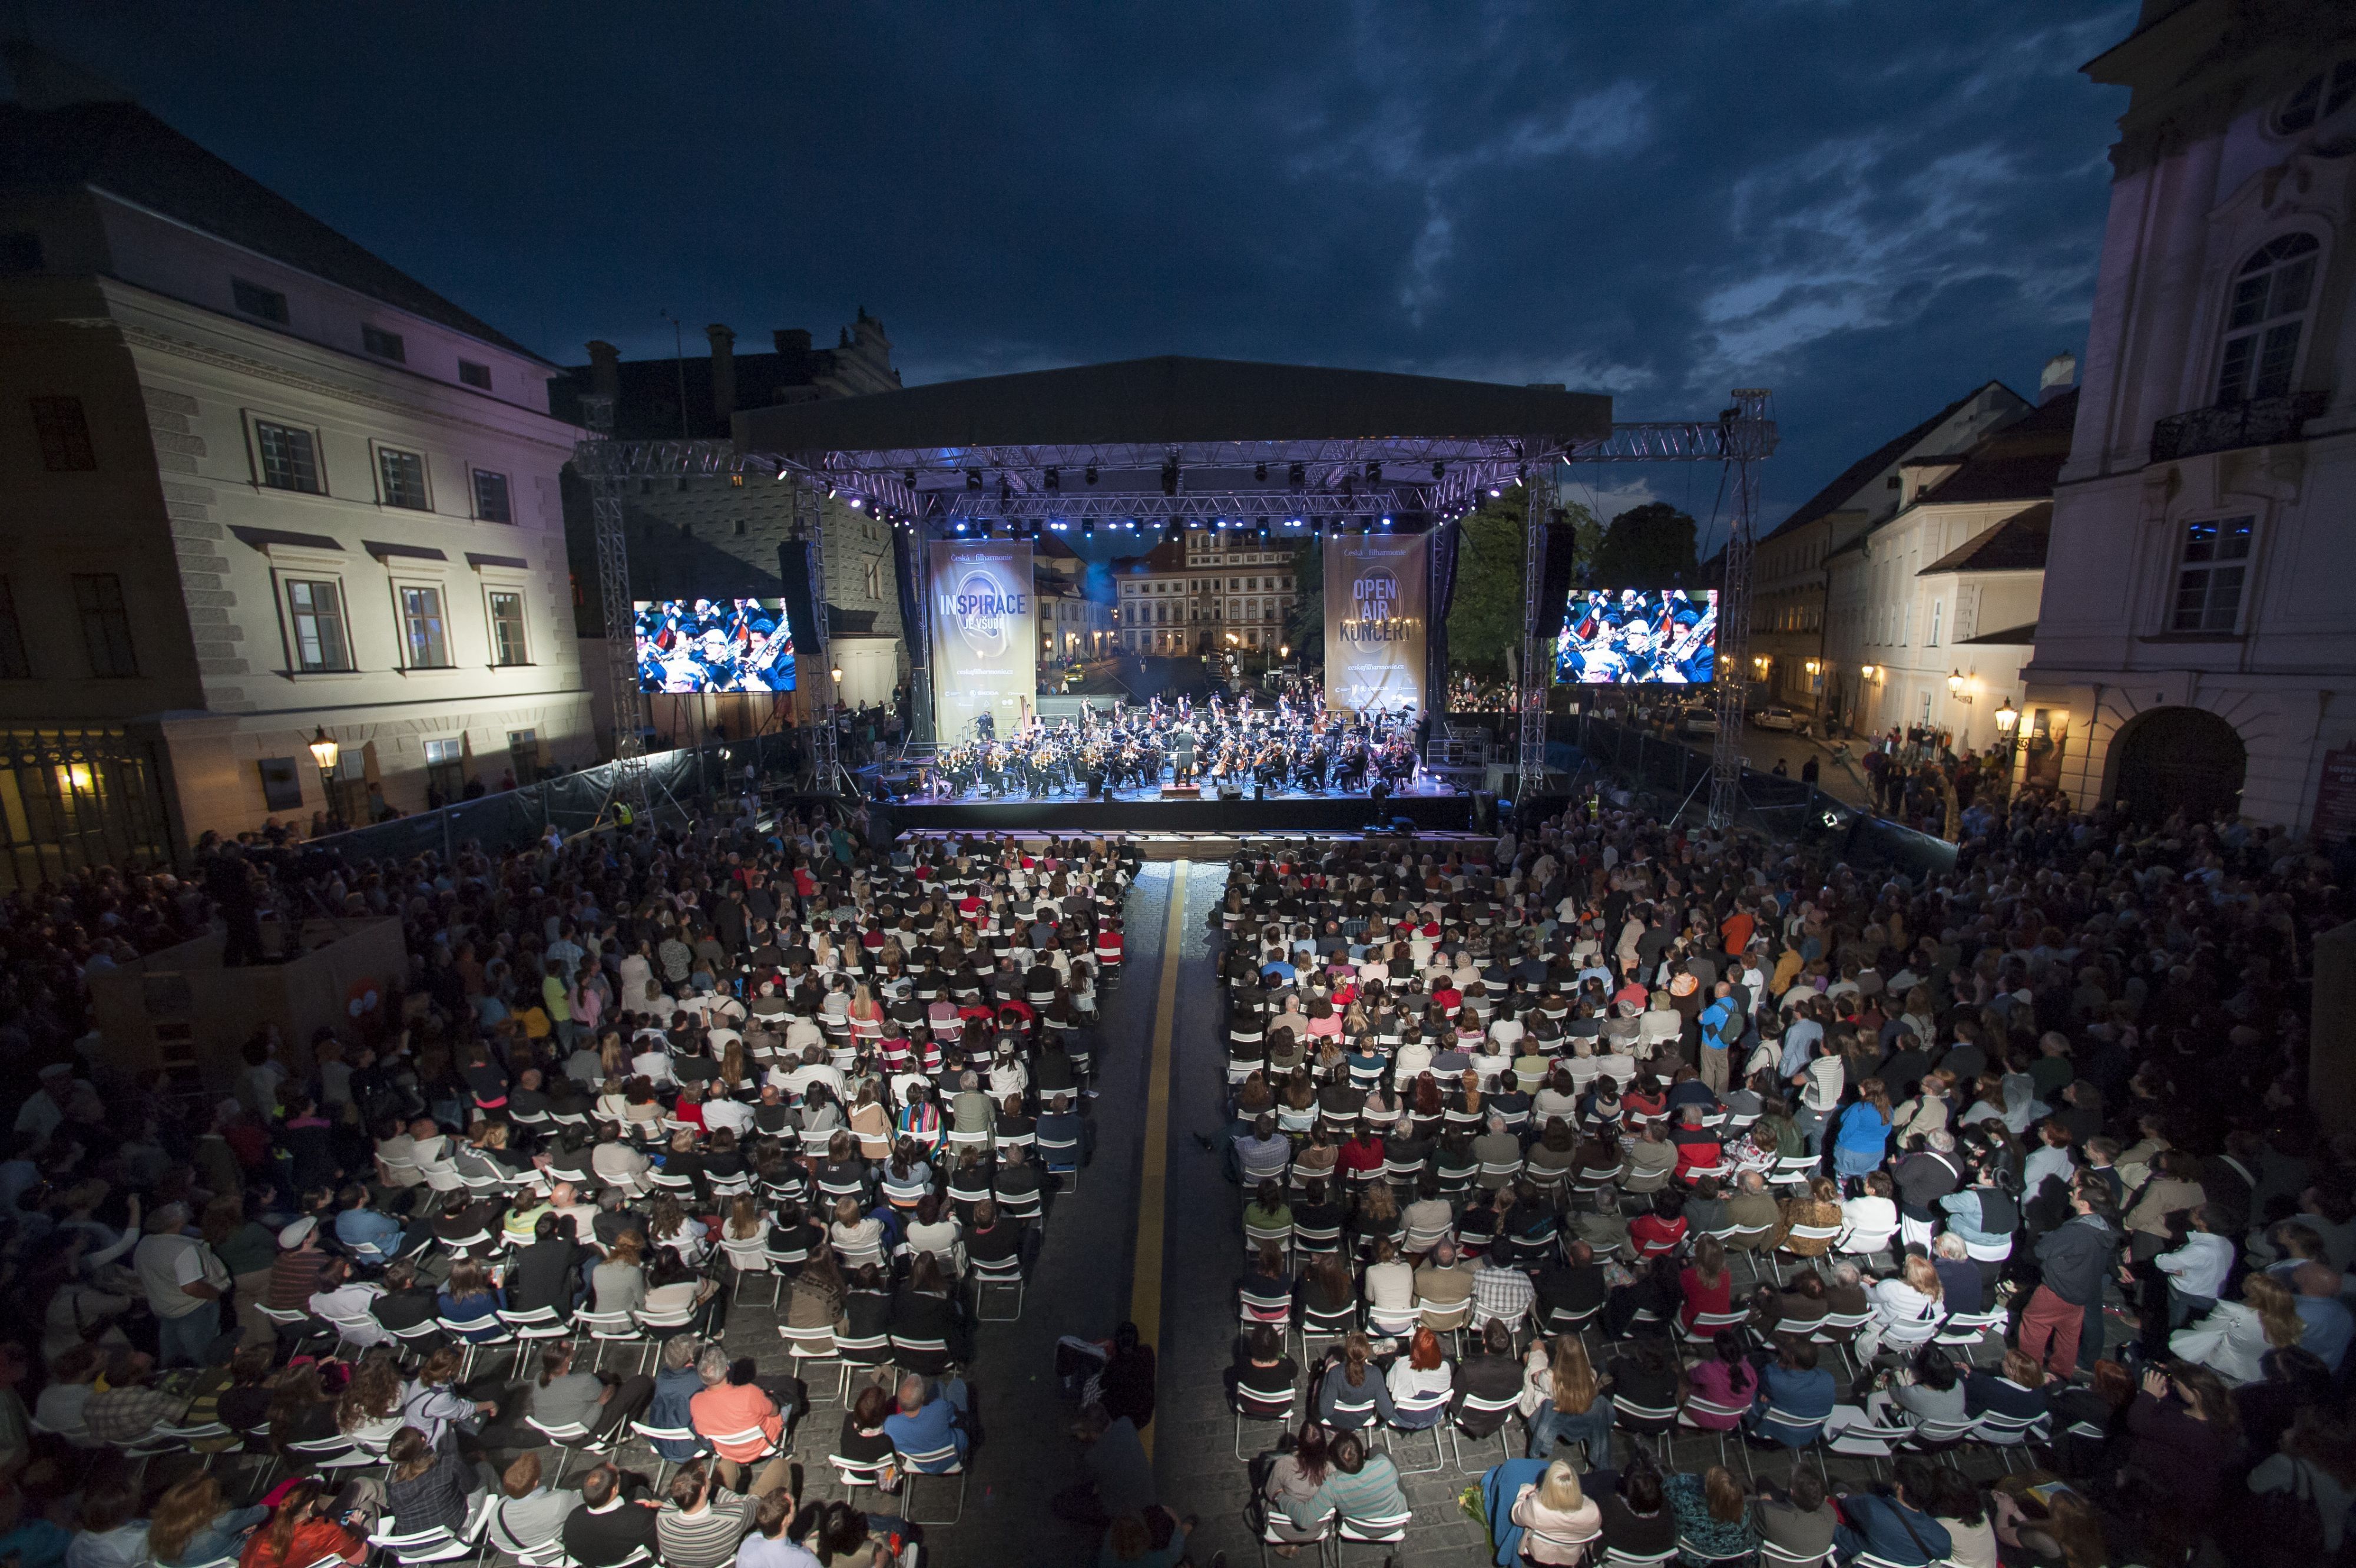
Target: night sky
x,y
1868,207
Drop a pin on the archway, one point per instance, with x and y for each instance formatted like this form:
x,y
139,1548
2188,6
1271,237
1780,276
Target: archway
x,y
2171,760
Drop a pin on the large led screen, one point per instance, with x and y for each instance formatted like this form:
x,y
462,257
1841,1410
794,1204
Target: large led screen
x,y
715,645
1631,637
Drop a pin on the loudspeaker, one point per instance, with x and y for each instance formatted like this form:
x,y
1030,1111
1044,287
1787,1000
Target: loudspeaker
x,y
802,600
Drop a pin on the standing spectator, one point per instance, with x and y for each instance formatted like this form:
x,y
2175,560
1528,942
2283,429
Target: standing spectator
x,y
183,1283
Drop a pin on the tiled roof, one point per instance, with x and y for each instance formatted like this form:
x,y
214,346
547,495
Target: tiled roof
x,y
1850,479
2018,462
122,149
2016,545
2010,637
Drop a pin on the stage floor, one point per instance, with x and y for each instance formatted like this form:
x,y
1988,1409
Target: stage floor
x,y
1134,810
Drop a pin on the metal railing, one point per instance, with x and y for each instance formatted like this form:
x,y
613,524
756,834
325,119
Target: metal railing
x,y
2260,422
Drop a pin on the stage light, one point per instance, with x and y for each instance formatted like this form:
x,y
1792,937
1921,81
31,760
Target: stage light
x,y
1374,473
1087,528
1091,474
987,528
960,525
1495,491
1439,471
1259,472
1297,476
857,504
1005,490
1052,479
1522,474
829,492
1170,478
973,478
908,476
1386,522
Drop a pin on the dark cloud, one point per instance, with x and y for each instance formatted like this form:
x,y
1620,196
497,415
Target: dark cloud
x,y
1866,207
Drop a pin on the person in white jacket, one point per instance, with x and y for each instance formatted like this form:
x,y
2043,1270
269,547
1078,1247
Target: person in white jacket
x,y
2234,1338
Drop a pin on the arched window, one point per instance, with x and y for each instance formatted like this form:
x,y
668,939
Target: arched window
x,y
2264,321
2318,98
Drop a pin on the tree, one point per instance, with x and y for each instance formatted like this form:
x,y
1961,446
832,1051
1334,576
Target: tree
x,y
1650,546
1485,617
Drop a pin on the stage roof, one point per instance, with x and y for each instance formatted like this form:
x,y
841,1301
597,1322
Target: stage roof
x,y
1175,401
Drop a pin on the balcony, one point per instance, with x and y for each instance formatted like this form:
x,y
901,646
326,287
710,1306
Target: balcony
x,y
2261,422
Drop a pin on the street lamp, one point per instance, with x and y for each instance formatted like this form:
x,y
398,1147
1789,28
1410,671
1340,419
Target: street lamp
x,y
1869,672
1956,686
325,751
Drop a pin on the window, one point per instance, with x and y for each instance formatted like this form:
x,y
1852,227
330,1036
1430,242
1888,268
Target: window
x,y
875,579
2209,583
255,300
290,460
2317,99
523,752
105,624
402,477
281,785
383,344
2263,320
13,663
421,630
445,766
1938,614
507,628
475,375
65,436
315,615
491,497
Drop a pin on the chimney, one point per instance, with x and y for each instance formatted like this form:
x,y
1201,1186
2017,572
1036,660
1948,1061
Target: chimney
x,y
604,369
792,340
2060,375
723,370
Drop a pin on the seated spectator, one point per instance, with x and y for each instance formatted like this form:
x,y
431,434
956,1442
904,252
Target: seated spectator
x,y
1261,1369
1348,1380
1492,1375
527,1514
131,1405
1662,1230
743,1417
700,1523
1724,1378
1564,1400
2235,1337
1871,1215
2017,1391
1706,1284
1894,1526
1562,1522
429,1486
1796,1396
1713,1513
608,1526
303,1531
1798,1523
597,1402
1361,1484
864,1437
1926,1389
1635,1513
1423,1373
928,1416
473,1302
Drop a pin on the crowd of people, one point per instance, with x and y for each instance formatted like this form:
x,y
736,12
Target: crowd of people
x,y
371,1293
1620,1133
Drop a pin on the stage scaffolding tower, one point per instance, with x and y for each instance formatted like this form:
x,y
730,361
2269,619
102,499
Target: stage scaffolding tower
x,y
1539,493
601,463
1750,436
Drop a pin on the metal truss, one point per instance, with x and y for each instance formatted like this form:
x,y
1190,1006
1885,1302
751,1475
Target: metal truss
x,y
1027,464
1667,441
1535,667
1280,506
809,526
596,459
1747,435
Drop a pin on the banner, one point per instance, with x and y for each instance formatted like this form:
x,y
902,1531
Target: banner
x,y
1377,617
985,637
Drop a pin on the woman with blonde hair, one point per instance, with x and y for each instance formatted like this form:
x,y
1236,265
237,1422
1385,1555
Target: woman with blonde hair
x,y
744,1221
190,1525
1559,1520
2233,1339
1565,1400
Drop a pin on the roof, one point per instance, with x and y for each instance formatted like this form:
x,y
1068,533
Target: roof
x,y
1173,399
2017,462
122,149
2010,637
1851,479
1170,556
2016,545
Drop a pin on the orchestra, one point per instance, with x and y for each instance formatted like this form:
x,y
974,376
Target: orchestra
x,y
1238,746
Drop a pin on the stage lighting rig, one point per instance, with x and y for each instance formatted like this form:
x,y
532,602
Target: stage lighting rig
x,y
1374,473
1259,472
1170,478
1091,474
973,478
1005,489
1051,481
1297,476
1439,470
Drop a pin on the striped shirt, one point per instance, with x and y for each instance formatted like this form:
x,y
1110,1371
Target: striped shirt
x,y
705,1540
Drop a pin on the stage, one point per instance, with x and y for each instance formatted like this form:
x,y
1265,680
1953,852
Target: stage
x,y
1140,812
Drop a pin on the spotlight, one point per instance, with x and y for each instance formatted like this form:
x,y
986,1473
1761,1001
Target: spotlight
x,y
857,504
1374,473
973,478
908,476
1005,490
987,528
1052,480
1522,474
1259,472
830,492
1495,491
1170,478
1091,475
1087,528
1438,470
960,525
1386,522
1297,476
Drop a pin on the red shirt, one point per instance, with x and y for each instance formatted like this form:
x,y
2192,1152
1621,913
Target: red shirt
x,y
1655,1235
1702,1298
1356,1155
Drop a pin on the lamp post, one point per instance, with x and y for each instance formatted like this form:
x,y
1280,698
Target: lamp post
x,y
325,751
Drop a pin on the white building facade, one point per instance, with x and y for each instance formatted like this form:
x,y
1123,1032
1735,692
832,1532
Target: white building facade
x,y
2196,648
262,487
1211,590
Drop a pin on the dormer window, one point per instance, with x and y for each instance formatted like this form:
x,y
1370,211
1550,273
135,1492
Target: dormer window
x,y
2318,98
